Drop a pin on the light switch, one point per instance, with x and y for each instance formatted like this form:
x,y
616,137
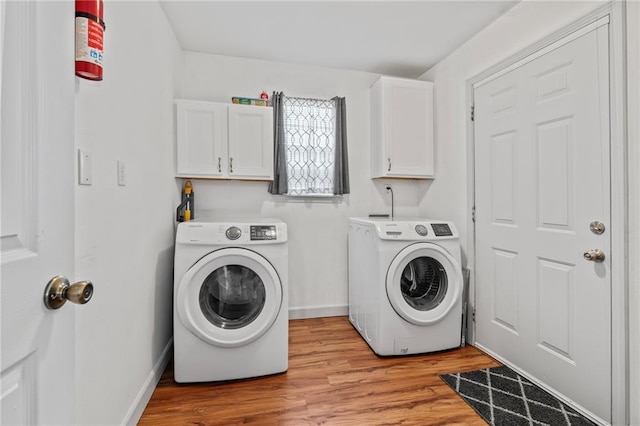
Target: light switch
x,y
84,167
122,176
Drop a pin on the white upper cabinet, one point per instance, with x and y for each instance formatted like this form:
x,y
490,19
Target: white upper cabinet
x,y
224,141
202,139
402,128
251,141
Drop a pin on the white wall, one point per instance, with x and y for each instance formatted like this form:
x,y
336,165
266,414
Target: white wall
x,y
522,26
317,229
124,234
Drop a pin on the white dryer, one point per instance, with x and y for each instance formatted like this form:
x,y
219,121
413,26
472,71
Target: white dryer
x,y
405,284
230,299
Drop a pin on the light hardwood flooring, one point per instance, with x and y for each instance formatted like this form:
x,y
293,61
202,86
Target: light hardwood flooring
x,y
333,379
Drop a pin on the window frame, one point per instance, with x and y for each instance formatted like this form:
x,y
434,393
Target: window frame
x,y
308,126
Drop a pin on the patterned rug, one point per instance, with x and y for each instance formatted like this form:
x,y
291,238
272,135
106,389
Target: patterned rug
x,y
505,398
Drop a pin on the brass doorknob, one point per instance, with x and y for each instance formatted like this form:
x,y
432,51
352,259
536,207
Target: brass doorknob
x,y
595,255
58,291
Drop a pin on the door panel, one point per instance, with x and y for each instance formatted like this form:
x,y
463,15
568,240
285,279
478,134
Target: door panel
x,y
542,176
37,130
250,142
409,128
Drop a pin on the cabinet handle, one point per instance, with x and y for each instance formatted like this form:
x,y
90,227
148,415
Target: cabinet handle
x,y
230,164
219,165
389,168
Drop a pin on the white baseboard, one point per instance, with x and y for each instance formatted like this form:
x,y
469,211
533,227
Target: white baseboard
x,y
143,397
319,312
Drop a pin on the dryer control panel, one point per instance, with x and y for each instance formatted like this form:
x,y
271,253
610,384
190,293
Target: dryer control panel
x,y
263,232
238,232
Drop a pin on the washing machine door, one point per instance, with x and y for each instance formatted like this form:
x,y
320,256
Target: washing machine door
x,y
424,282
230,297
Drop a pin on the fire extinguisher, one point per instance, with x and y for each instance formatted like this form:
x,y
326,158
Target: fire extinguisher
x,y
89,39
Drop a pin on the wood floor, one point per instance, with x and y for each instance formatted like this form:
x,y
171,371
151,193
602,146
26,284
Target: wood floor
x,y
333,379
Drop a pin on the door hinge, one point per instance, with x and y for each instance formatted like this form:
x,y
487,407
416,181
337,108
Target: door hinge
x,y
473,214
473,314
473,113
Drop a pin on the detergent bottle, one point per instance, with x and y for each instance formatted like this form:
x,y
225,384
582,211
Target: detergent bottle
x,y
185,211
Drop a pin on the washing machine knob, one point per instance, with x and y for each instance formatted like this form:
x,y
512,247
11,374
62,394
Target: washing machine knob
x,y
233,233
421,230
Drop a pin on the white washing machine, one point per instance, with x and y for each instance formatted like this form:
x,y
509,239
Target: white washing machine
x,y
405,284
230,299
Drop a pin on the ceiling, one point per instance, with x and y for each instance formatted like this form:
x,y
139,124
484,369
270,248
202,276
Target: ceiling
x,y
401,38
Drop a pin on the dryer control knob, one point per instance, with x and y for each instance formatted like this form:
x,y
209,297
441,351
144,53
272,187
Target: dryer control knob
x,y
421,230
233,233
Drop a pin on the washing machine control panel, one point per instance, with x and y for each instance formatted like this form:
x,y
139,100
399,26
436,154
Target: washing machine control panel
x,y
263,232
409,229
237,233
441,229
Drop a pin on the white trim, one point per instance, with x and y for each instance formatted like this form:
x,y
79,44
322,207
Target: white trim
x,y
471,239
619,220
316,198
142,399
614,14
545,43
318,311
546,49
632,24
2,36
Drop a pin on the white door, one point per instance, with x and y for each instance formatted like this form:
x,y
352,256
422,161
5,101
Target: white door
x,y
37,130
542,176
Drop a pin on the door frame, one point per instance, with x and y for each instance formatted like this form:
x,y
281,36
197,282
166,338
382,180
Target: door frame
x,y
615,12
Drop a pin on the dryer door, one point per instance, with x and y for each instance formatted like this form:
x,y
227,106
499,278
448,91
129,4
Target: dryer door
x,y
230,297
423,283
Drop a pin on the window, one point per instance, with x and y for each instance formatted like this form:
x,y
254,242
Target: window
x,y
310,137
310,140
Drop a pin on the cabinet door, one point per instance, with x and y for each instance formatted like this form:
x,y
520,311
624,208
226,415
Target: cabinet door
x,y
409,128
250,142
202,134
402,128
